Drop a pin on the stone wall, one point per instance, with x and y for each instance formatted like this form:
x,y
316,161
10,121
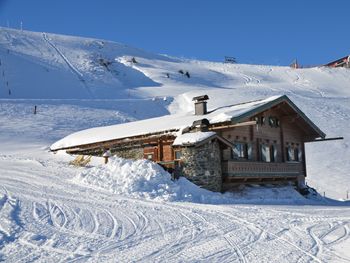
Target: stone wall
x,y
128,153
202,165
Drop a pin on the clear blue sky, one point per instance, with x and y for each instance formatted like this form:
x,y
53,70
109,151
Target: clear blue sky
x,y
254,31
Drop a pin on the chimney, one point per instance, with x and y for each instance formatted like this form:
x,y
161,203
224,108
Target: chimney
x,y
200,104
200,125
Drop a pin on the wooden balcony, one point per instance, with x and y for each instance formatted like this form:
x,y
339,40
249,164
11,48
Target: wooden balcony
x,y
245,172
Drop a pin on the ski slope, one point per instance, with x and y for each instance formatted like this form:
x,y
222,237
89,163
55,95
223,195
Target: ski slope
x,y
103,73
50,211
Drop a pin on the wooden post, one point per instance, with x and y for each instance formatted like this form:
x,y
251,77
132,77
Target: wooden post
x,y
251,135
282,143
106,155
303,157
160,150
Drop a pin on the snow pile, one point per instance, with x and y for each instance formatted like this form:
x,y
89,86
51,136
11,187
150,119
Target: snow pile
x,y
269,195
144,179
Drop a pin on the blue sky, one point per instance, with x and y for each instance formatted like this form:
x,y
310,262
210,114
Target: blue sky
x,y
254,31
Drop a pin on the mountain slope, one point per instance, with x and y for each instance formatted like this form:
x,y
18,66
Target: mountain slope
x,y
49,66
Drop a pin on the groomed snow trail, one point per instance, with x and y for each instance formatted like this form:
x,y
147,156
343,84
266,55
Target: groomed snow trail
x,y
47,217
70,65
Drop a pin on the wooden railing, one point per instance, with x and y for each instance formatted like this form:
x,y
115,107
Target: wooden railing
x,y
253,169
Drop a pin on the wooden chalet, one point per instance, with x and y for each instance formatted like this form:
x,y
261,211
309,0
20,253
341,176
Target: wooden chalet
x,y
342,62
256,142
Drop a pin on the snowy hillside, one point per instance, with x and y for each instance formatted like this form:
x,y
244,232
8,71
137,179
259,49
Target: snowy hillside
x,y
132,211
63,67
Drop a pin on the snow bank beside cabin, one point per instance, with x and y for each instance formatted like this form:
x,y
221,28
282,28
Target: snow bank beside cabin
x,y
147,180
144,179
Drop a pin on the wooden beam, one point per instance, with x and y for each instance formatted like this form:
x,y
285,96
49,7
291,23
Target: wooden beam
x,y
247,123
328,139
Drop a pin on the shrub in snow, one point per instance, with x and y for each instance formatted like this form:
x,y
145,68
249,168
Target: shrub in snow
x,y
187,74
104,62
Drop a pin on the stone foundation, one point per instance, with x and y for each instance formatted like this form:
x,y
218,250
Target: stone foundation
x,y
129,153
202,165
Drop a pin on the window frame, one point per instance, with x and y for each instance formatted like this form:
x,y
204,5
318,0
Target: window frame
x,y
175,152
294,153
271,153
241,151
147,155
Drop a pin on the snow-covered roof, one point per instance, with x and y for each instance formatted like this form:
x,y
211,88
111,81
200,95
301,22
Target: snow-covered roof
x,y
169,123
160,124
192,138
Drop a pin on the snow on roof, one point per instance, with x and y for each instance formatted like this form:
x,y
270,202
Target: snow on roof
x,y
153,125
192,138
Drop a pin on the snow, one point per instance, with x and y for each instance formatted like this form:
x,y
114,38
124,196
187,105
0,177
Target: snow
x,y
169,123
53,212
192,138
143,179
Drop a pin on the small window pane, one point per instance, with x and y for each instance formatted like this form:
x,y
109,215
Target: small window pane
x,y
177,155
291,156
250,152
267,153
300,155
240,150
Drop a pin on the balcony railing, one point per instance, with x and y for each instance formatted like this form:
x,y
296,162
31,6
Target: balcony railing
x,y
254,169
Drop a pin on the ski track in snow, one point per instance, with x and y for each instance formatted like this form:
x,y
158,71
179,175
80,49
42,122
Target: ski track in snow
x,y
45,217
70,65
71,223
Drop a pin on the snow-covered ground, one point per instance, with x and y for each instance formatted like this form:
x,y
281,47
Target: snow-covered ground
x,y
132,211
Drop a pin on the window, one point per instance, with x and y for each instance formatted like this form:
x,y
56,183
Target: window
x,y
262,120
177,155
294,154
148,156
268,153
242,151
274,122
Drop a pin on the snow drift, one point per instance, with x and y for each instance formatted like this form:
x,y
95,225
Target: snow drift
x,y
144,179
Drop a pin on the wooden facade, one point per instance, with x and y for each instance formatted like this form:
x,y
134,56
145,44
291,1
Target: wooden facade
x,y
264,145
272,151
